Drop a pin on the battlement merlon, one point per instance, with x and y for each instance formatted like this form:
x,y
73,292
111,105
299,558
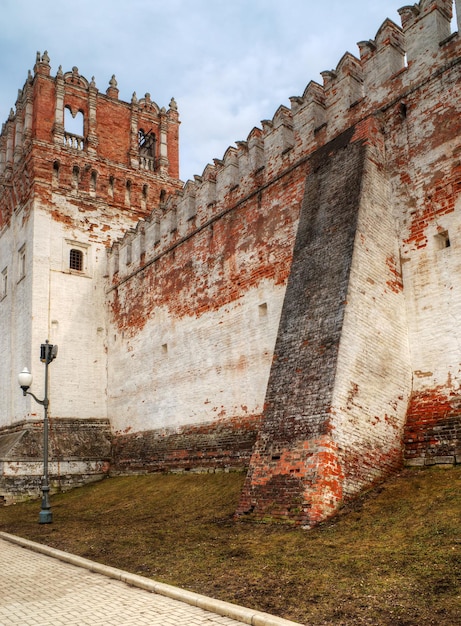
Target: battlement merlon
x,y
69,112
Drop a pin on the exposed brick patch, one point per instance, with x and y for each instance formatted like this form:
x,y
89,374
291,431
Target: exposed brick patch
x,y
433,428
225,444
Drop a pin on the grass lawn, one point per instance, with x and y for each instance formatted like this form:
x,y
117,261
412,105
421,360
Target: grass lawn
x,y
391,558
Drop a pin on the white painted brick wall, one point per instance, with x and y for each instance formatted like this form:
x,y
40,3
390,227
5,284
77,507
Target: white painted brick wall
x,y
178,372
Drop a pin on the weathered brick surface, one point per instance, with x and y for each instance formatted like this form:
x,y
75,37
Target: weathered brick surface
x,y
433,428
199,327
224,445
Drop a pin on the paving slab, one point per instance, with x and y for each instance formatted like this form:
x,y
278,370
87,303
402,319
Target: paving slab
x,y
41,586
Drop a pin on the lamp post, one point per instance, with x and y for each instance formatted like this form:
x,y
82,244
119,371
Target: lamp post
x,y
48,353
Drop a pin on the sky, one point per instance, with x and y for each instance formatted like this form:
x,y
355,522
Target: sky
x,y
228,63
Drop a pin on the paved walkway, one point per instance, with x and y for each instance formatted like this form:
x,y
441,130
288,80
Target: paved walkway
x,y
40,586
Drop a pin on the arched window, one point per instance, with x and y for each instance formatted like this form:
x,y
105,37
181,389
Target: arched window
x,y
145,191
75,176
147,149
76,260
93,181
73,123
128,193
55,172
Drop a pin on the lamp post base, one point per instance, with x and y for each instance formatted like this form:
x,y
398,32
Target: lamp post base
x,y
45,517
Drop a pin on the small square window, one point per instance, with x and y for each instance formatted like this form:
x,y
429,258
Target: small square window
x,y
76,257
4,284
263,309
442,240
76,260
21,263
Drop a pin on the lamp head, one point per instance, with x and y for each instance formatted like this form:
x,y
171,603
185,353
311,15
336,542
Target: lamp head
x,y
25,380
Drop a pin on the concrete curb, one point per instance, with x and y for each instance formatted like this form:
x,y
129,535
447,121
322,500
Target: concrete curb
x,y
225,609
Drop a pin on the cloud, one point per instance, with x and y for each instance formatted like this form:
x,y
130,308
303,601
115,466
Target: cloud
x,y
228,64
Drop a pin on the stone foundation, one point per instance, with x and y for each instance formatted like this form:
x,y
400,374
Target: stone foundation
x,y
79,453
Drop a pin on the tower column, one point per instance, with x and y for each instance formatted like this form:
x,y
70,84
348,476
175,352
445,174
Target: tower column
x,y
59,113
163,148
92,97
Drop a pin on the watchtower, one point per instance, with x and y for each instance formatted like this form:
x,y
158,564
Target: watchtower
x,y
78,168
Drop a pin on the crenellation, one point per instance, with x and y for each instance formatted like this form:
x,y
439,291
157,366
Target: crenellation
x,y
165,226
206,194
151,235
278,139
329,78
308,114
188,202
243,161
156,228
425,25
256,149
367,49
227,173
283,123
126,253
140,242
343,91
382,59
172,209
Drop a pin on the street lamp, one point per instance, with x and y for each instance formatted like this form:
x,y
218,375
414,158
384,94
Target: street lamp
x,y
47,354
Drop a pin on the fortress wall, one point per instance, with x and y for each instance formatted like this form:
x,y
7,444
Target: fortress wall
x,y
390,66
217,334
192,334
340,420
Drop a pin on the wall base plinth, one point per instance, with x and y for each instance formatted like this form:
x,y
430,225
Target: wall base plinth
x,y
79,453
